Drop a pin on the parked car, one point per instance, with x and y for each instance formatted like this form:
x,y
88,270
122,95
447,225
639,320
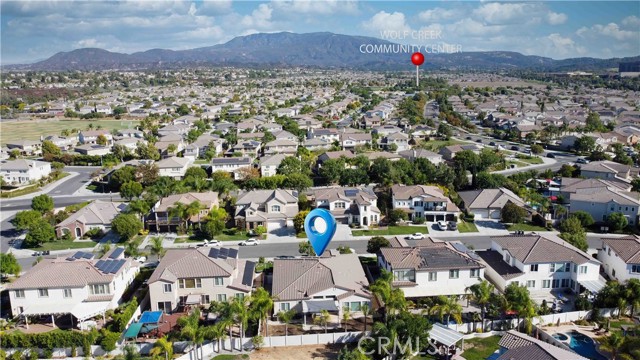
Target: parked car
x,y
551,155
452,225
250,242
209,243
479,140
468,138
141,259
515,148
36,253
582,161
492,143
442,225
415,236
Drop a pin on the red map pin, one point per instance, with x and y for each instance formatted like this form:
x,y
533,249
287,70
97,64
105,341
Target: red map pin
x,y
417,59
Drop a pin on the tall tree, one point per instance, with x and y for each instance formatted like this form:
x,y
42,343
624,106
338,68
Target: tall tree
x,y
161,347
286,317
42,203
480,293
9,265
447,305
191,330
261,305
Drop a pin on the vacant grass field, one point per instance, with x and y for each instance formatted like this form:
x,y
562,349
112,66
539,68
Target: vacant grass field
x,y
480,349
467,227
525,227
33,129
392,230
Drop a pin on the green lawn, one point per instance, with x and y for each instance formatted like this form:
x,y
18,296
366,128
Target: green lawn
x,y
32,129
481,349
64,245
533,160
239,236
231,357
525,227
24,191
435,145
467,227
392,230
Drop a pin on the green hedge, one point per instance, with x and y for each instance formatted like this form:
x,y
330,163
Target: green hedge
x,y
49,340
122,315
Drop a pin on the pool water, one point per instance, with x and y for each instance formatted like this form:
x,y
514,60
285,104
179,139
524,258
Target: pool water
x,y
561,336
584,346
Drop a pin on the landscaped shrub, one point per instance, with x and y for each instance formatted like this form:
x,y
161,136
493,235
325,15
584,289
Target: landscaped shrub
x,y
48,340
122,315
95,233
108,340
418,220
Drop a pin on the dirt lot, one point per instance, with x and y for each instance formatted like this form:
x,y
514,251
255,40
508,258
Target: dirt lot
x,y
311,352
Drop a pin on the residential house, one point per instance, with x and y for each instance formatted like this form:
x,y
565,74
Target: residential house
x,y
282,146
317,144
349,205
413,154
199,147
96,215
93,149
602,202
234,165
423,201
517,345
173,167
334,155
285,135
400,140
91,136
26,147
273,209
541,263
64,143
188,277
177,129
570,186
607,170
162,219
131,133
78,285
351,140
23,171
329,134
621,257
449,152
246,148
313,284
488,203
431,268
269,164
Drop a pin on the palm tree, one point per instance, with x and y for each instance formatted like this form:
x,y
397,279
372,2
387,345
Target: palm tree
x,y
261,305
139,207
179,210
366,311
612,344
130,353
240,310
191,329
131,249
104,249
475,317
529,312
447,305
162,346
286,317
480,293
218,333
346,316
192,210
622,306
322,319
226,316
156,247
632,290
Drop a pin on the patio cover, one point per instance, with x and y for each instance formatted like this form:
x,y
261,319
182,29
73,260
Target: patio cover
x,y
316,306
133,330
592,285
150,317
48,309
87,310
193,299
444,335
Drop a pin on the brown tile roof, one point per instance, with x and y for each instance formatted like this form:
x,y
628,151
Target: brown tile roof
x,y
98,212
195,263
489,198
522,346
530,249
606,195
206,199
296,279
627,248
571,185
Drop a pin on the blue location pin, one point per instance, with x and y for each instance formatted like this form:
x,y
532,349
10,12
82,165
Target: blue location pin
x,y
320,241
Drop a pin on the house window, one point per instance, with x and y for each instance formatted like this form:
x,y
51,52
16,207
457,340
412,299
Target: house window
x,y
475,273
285,306
355,306
191,283
531,283
204,300
43,293
613,272
167,288
565,282
433,276
454,274
556,283
546,284
218,281
634,269
99,289
221,297
239,296
66,293
339,205
567,267
404,275
583,269
275,208
533,267
19,294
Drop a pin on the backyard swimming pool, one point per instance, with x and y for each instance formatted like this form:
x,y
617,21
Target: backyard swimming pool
x,y
581,344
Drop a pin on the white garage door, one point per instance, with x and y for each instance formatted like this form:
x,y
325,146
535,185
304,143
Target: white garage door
x,y
495,214
481,214
276,224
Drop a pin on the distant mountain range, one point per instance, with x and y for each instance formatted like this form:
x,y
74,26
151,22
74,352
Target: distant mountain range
x,y
321,50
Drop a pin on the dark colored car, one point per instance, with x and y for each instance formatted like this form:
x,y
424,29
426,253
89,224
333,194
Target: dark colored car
x,y
468,138
515,148
479,141
492,144
551,155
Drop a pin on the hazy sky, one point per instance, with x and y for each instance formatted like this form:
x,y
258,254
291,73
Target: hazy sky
x,y
35,30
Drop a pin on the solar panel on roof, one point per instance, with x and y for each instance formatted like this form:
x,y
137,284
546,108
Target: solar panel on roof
x,y
117,266
99,264
116,252
351,192
465,250
247,277
87,255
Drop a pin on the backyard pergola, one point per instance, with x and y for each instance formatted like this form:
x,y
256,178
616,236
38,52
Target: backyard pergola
x,y
316,307
81,311
444,337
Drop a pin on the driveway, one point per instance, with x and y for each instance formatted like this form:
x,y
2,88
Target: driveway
x,y
434,230
491,227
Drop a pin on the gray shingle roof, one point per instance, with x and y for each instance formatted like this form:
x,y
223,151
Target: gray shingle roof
x,y
195,263
531,249
521,346
627,248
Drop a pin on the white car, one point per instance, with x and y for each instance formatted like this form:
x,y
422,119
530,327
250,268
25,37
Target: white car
x,y
416,236
442,225
209,243
141,259
250,242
